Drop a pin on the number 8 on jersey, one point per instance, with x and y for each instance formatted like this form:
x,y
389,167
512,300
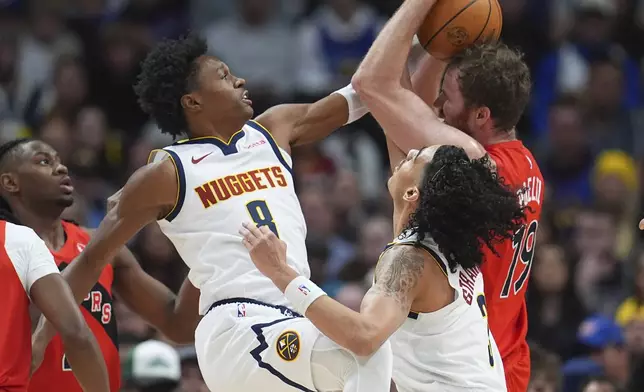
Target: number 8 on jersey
x,y
261,215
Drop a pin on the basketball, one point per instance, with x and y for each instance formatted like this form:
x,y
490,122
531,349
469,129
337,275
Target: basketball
x,y
452,25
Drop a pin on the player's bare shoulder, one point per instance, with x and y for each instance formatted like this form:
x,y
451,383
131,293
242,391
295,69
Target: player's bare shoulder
x,y
398,273
153,187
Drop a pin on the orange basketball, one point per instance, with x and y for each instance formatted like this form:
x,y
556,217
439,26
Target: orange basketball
x,y
452,25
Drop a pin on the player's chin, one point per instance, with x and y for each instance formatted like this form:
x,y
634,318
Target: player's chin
x,y
248,110
66,200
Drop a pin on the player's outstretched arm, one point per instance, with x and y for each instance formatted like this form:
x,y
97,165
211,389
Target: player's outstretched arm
x,y
405,117
296,124
147,196
176,316
384,308
53,298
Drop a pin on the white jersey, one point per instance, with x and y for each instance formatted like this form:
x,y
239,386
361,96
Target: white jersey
x,y
450,349
28,254
221,185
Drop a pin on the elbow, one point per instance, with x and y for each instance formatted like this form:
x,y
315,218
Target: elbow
x,y
364,83
76,334
373,89
364,347
366,342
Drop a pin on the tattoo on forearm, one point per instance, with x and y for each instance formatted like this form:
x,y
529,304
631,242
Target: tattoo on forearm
x,y
398,273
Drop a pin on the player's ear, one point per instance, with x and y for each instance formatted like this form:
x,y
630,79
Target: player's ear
x,y
190,102
9,182
411,194
483,114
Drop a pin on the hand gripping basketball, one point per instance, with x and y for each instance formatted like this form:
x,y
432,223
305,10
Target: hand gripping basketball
x,y
266,250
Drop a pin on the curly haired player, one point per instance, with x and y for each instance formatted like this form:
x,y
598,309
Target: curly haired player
x,y
483,93
199,190
428,290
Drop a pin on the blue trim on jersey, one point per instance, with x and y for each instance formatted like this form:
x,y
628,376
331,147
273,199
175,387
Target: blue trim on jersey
x,y
273,143
227,148
240,300
181,175
259,331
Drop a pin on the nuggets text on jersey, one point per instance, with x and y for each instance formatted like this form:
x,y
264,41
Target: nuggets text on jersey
x,y
224,188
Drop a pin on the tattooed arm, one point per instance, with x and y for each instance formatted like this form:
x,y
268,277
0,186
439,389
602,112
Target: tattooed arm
x,y
384,307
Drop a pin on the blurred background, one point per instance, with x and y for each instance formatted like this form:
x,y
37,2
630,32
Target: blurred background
x,y
66,74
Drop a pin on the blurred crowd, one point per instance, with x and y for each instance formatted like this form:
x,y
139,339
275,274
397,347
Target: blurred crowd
x,y
66,74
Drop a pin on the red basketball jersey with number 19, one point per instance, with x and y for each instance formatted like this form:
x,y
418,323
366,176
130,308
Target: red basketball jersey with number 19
x,y
55,374
506,276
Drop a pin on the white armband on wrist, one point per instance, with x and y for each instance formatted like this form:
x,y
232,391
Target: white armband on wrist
x,y
301,292
357,109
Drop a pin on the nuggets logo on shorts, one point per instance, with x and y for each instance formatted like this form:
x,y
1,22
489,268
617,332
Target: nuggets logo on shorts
x,y
288,345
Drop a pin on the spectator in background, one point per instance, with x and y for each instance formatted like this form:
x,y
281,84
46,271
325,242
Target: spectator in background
x,y
191,379
599,384
375,233
8,76
609,122
321,228
152,366
350,295
554,310
566,156
615,190
266,62
607,357
63,97
45,41
331,44
545,373
598,271
633,307
567,69
346,201
57,132
116,57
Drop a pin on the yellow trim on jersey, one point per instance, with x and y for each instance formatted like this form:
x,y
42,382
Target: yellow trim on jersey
x,y
176,172
210,137
393,244
153,153
178,176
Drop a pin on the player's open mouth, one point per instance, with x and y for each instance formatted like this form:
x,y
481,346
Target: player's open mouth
x,y
246,100
66,185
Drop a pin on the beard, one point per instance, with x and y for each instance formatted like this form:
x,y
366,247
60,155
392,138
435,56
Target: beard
x,y
459,122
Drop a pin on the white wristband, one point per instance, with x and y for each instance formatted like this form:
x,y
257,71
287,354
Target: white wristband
x,y
301,292
357,109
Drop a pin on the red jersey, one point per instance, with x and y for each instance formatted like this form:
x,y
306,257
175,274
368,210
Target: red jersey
x,y
24,258
506,276
55,374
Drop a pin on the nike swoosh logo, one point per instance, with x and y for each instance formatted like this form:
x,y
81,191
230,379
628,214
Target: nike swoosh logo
x,y
195,161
